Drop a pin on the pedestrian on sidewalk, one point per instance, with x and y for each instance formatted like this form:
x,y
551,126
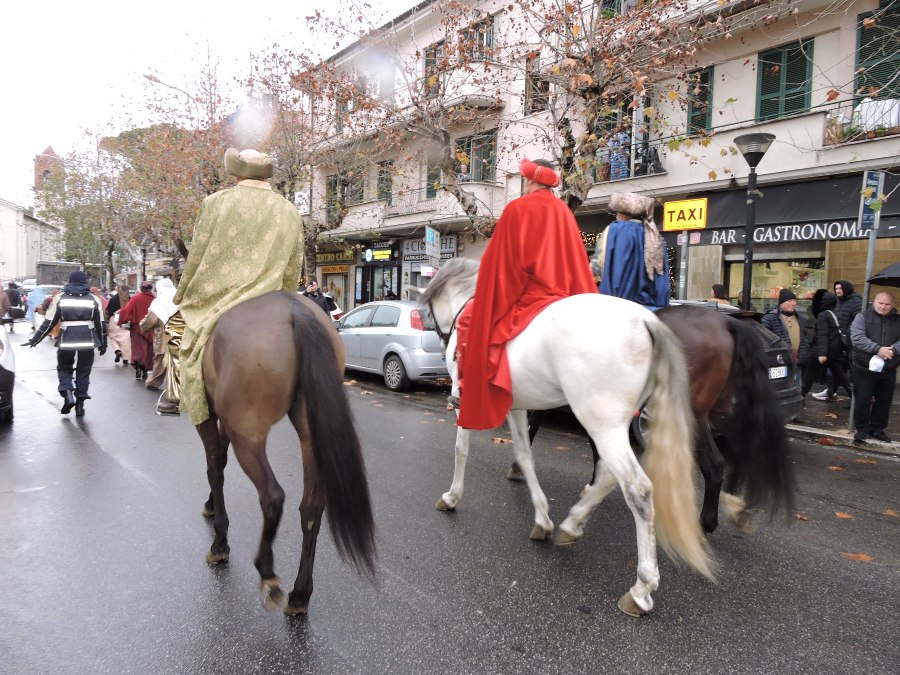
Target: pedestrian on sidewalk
x,y
79,315
875,334
790,326
141,342
827,349
14,301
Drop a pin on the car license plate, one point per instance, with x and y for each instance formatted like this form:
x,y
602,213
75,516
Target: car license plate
x,y
775,373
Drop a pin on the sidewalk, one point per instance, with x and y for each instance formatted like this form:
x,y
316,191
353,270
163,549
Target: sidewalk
x,y
825,422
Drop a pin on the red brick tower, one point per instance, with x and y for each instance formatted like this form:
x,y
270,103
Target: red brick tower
x,y
44,164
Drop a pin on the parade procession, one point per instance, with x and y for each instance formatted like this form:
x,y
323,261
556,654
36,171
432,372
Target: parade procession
x,y
628,271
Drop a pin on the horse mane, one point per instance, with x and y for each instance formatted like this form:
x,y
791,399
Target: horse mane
x,y
459,274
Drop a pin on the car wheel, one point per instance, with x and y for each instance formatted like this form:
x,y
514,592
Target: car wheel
x,y
395,374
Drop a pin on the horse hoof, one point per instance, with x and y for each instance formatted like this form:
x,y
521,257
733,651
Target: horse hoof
x,y
442,505
296,611
629,606
207,512
514,473
563,537
745,522
274,597
539,533
216,558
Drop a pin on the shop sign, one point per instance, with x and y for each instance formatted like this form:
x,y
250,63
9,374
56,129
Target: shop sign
x,y
334,269
378,252
685,214
414,249
771,234
331,257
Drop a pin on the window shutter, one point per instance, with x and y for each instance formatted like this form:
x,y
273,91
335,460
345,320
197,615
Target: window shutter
x,y
879,56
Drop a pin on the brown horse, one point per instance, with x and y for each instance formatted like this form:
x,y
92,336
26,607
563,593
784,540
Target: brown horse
x,y
737,414
268,357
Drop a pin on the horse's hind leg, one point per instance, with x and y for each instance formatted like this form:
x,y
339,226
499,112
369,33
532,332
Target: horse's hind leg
x,y
535,420
251,454
712,465
518,424
312,506
209,507
450,499
216,455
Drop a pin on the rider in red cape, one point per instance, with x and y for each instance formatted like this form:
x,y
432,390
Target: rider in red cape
x,y
535,257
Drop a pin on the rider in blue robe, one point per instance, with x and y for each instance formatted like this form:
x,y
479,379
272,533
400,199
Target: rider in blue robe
x,y
625,270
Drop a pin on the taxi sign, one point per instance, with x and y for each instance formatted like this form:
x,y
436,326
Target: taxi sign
x,y
686,214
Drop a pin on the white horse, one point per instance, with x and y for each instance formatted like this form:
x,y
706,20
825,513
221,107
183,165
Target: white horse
x,y
605,358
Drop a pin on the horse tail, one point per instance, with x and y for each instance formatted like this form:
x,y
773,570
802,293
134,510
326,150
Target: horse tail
x,y
340,469
757,443
669,457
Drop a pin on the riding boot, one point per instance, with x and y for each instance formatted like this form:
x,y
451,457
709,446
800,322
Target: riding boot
x,y
68,401
79,407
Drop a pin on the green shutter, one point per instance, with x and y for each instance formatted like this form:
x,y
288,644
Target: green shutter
x,y
700,104
878,55
784,80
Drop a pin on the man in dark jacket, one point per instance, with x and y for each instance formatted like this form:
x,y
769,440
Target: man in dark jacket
x,y
790,326
849,304
14,299
313,293
79,314
826,348
875,334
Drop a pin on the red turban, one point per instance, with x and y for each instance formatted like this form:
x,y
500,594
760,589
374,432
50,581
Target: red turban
x,y
538,173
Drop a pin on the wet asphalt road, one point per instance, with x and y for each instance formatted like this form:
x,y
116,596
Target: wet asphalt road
x,y
102,556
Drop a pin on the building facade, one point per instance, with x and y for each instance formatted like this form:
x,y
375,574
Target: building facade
x,y
824,83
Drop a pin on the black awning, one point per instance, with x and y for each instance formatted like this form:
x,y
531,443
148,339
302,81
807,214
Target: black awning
x,y
810,201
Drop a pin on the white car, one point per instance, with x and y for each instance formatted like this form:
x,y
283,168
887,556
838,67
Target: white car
x,y
395,339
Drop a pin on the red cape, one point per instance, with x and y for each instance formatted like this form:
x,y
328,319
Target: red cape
x,y
535,257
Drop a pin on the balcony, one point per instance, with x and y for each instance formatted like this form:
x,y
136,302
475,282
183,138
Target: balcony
x,y
640,158
867,119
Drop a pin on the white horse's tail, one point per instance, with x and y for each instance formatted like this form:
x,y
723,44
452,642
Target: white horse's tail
x,y
669,457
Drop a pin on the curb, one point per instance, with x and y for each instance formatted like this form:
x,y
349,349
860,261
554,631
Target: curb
x,y
842,440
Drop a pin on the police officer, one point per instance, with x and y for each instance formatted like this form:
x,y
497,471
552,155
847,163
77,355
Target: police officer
x,y
82,329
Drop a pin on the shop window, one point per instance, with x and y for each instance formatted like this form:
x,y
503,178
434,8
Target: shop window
x,y
481,152
784,80
878,54
699,111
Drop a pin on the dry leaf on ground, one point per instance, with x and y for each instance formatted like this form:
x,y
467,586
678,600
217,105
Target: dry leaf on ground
x,y
891,513
561,448
861,557
826,440
366,393
801,516
865,461
497,439
831,415
835,468
843,516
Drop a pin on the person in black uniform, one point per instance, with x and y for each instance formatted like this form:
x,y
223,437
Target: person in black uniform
x,y
79,314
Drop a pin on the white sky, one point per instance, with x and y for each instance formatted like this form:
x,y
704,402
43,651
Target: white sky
x,y
71,66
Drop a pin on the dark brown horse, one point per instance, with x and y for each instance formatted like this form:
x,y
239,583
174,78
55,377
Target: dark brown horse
x,y
737,413
268,357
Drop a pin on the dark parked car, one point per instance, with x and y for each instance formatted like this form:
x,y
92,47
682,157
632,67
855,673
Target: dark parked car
x,y
395,339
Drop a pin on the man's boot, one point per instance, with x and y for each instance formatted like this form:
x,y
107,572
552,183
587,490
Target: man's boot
x,y
68,401
79,407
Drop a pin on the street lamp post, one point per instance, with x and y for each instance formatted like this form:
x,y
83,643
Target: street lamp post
x,y
145,244
753,147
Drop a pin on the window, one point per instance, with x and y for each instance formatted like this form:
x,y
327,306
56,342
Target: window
x,y
784,80
358,318
386,317
356,186
385,181
699,113
481,151
432,178
342,190
343,109
332,204
878,55
537,88
477,41
434,57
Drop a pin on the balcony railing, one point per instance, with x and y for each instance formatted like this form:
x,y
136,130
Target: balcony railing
x,y
850,121
640,158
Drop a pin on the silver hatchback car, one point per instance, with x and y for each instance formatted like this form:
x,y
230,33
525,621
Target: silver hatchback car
x,y
395,339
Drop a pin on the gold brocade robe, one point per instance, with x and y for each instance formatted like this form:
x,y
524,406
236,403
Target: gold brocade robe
x,y
247,241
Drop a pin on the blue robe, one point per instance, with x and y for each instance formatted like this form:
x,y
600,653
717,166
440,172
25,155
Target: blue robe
x,y
624,272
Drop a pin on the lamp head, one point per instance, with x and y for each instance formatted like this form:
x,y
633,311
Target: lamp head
x,y
753,147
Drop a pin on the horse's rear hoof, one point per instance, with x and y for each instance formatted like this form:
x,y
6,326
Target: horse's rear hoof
x,y
563,537
300,610
629,606
274,597
539,533
443,505
207,512
514,473
216,558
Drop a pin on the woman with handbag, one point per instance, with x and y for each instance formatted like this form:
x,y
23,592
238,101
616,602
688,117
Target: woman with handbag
x,y
828,351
